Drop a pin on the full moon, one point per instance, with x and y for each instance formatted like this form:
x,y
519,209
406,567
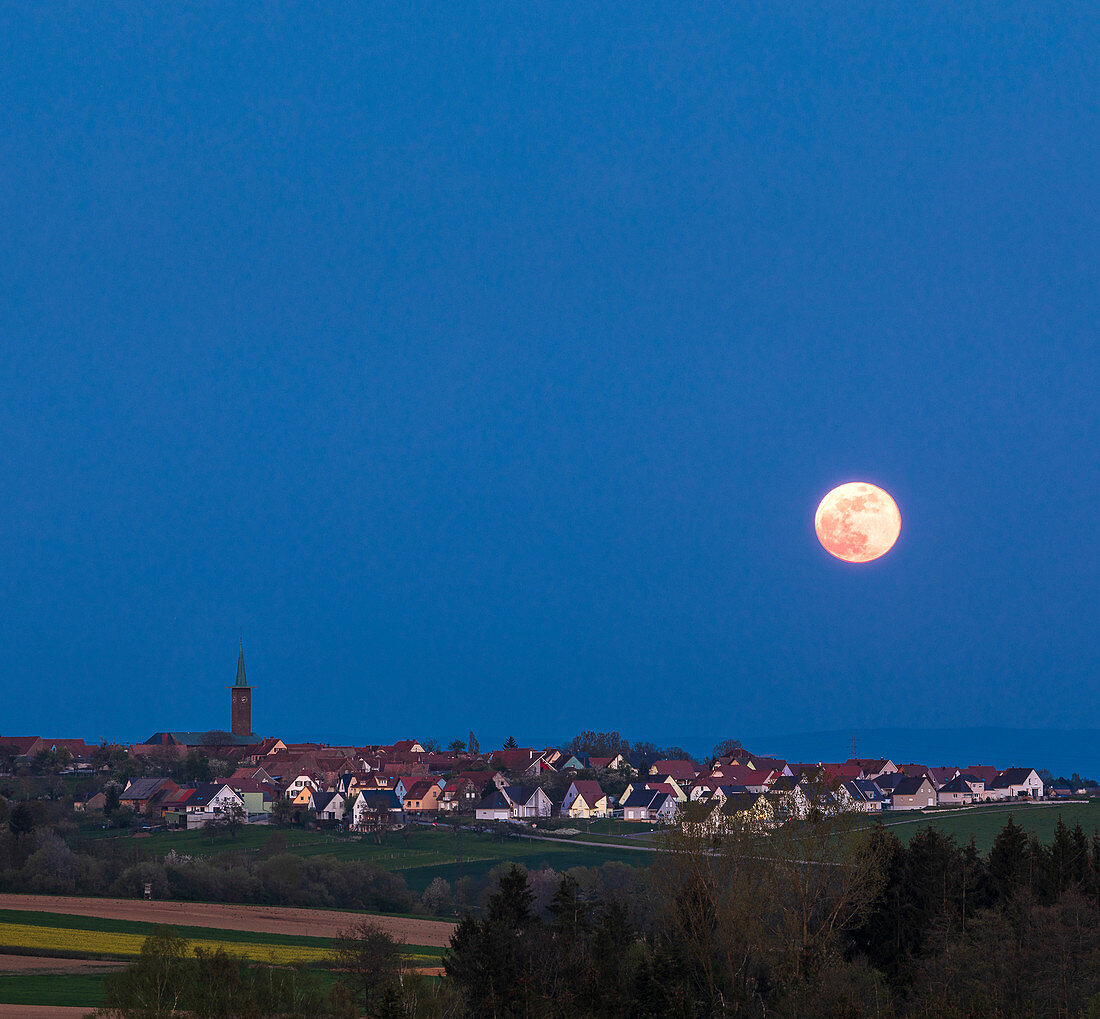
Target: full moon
x,y
857,522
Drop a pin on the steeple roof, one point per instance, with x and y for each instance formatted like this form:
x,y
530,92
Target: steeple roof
x,y
241,681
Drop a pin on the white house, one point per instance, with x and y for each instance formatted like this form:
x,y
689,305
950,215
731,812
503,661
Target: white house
x,y
527,801
330,806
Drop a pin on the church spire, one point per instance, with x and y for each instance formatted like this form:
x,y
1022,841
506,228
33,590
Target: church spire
x,y
241,681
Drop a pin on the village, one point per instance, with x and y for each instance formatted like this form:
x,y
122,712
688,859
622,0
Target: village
x,y
240,778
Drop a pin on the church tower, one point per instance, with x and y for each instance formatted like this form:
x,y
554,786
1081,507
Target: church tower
x,y
241,700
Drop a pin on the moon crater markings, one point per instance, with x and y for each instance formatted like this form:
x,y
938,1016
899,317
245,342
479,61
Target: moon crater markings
x,y
857,522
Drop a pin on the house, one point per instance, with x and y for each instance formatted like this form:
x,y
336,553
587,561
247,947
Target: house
x,y
790,792
374,809
1060,789
304,798
300,782
756,780
258,797
528,801
780,767
585,798
330,806
741,810
977,786
204,802
872,767
97,801
683,771
861,794
494,807
606,763
406,746
957,792
941,776
573,762
145,795
912,793
523,761
460,795
1019,784
667,784
406,782
422,797
837,773
649,805
886,783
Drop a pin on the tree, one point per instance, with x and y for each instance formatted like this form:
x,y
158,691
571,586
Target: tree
x,y
431,746
726,747
195,767
111,792
456,746
153,987
21,821
495,962
370,960
511,744
228,818
282,812
1008,863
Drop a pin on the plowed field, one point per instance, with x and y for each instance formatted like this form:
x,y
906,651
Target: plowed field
x,y
320,923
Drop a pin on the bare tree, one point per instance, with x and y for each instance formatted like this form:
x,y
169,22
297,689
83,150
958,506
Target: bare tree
x,y
371,961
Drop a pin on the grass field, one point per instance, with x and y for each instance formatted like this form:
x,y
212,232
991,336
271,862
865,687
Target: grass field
x,y
70,989
420,853
983,823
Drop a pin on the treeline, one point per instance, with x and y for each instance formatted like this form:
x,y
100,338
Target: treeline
x,y
36,858
736,925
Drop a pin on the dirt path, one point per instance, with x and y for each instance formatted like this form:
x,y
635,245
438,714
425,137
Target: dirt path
x,y
317,923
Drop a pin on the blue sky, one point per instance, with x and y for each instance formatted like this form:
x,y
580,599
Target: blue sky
x,y
484,365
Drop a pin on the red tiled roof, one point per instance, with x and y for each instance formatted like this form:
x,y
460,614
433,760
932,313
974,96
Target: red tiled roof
x,y
589,791
679,770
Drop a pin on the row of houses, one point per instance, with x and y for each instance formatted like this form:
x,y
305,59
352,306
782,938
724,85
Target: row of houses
x,y
375,784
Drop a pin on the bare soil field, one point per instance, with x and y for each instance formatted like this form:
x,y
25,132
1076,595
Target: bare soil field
x,y
48,964
33,1011
318,923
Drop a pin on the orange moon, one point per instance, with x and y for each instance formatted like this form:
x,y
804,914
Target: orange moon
x,y
857,522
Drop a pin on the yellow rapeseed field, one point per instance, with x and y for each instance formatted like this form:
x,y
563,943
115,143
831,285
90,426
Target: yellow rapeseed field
x,y
60,939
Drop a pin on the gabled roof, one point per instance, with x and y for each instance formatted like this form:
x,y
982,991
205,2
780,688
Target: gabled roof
x,y
494,801
145,788
864,790
420,789
887,783
205,792
322,800
983,771
17,746
739,774
910,785
739,803
380,799
682,771
521,795
641,798
786,784
957,785
1012,776
589,791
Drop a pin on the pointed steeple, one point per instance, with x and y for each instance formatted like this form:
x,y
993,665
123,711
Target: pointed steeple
x,y
241,681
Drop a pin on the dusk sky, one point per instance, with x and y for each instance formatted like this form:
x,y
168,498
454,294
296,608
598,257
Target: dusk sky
x,y
484,366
